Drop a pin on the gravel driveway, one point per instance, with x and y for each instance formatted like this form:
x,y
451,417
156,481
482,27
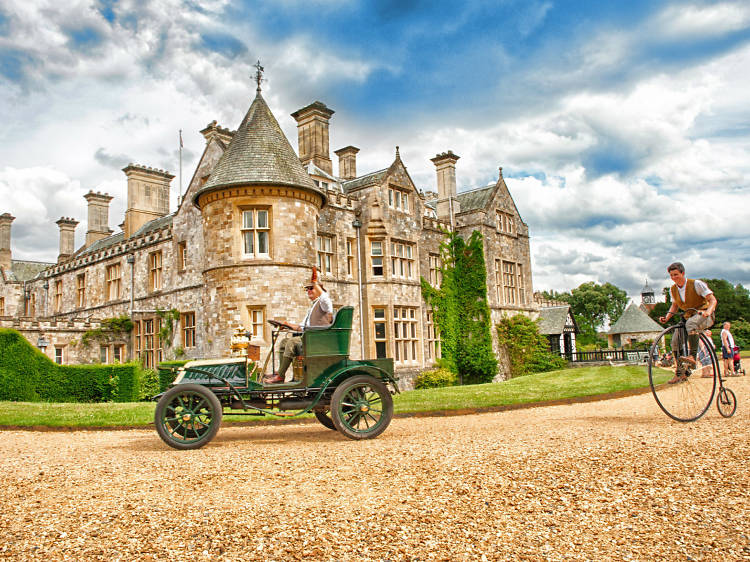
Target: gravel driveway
x,y
602,480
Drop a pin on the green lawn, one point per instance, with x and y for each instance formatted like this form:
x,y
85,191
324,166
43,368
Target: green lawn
x,y
556,385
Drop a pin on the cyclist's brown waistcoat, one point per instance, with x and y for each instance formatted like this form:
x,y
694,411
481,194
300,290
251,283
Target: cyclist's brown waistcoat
x,y
692,299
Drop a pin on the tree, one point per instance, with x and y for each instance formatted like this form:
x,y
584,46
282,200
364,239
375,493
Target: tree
x,y
733,301
526,348
462,314
592,304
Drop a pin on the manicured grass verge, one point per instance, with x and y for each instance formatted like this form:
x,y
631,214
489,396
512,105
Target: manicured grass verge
x,y
555,385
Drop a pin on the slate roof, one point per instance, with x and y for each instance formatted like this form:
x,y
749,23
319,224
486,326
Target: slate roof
x,y
552,319
475,199
259,154
22,270
110,241
373,178
633,321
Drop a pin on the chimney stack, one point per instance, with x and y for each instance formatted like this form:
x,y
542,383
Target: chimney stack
x,y
67,237
98,216
5,220
445,165
148,196
312,135
347,162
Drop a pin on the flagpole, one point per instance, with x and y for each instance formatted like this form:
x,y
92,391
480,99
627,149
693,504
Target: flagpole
x,y
179,199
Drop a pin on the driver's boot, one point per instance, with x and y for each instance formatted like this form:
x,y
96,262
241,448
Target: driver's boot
x,y
277,378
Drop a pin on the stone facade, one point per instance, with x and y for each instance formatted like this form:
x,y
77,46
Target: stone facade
x,y
239,247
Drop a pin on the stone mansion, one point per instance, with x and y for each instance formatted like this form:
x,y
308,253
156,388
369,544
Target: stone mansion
x,y
238,250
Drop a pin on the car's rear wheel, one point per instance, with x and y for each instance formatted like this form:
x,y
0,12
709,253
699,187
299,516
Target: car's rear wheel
x,y
361,407
324,417
188,416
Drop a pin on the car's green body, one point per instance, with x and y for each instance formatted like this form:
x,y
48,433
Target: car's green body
x,y
237,385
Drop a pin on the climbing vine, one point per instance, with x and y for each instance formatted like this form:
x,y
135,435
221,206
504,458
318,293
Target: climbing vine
x,y
168,318
462,314
111,329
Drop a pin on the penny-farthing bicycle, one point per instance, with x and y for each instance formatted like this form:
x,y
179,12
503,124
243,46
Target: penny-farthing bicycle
x,y
685,391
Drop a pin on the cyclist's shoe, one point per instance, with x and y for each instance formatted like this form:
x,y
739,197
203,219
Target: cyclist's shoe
x,y
688,361
679,377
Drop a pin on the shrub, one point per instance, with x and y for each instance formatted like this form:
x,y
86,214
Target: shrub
x,y
28,375
166,374
526,348
150,384
435,378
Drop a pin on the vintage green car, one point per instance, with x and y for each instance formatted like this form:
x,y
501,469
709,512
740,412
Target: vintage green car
x,y
353,397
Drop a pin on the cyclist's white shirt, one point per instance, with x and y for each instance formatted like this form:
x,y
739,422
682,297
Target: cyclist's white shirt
x,y
700,287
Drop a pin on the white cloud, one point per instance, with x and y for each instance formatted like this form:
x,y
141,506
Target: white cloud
x,y
683,20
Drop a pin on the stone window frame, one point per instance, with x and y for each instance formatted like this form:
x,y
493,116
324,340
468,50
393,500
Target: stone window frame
x,y
155,271
379,327
405,335
60,354
256,315
433,349
434,263
510,286
506,223
81,290
113,281
2,306
31,305
256,231
375,257
187,321
58,296
402,259
398,198
151,352
182,256
349,248
325,245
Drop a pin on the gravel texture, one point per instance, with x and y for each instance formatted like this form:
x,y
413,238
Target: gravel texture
x,y
604,480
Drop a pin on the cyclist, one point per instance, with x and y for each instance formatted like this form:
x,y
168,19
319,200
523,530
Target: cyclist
x,y
688,294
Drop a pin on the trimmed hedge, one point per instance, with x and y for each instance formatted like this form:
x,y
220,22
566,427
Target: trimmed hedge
x,y
166,376
27,375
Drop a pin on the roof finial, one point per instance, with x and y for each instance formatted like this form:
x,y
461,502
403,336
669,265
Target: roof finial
x,y
258,74
397,154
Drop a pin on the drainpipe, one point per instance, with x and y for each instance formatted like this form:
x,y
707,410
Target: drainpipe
x,y
357,224
46,295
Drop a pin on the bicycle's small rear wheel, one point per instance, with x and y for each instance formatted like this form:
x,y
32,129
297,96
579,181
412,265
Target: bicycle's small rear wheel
x,y
726,402
689,398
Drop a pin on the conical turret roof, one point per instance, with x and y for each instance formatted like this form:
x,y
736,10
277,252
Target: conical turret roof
x,y
259,153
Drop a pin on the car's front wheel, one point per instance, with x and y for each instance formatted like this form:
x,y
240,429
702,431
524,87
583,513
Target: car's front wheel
x,y
361,407
188,416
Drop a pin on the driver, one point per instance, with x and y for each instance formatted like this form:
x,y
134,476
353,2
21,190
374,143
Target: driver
x,y
320,313
687,294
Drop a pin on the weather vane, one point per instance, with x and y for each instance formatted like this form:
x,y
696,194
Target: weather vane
x,y
258,73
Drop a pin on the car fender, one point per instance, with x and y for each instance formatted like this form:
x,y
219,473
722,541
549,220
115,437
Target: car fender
x,y
350,370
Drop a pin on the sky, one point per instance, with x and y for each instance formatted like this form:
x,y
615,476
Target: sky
x,y
623,128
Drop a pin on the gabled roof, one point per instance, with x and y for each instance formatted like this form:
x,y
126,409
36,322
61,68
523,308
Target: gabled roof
x,y
475,199
552,319
22,270
259,153
109,241
373,178
633,321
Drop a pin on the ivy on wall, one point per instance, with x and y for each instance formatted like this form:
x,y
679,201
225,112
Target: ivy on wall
x,y
462,314
111,329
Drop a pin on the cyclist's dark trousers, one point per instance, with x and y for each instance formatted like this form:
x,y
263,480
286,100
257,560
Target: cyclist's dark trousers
x,y
694,326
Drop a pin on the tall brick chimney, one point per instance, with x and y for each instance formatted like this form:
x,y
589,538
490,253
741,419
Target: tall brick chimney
x,y
67,227
312,134
5,220
445,165
98,218
347,162
148,196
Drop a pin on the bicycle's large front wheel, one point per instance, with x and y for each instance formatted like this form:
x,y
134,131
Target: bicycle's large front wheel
x,y
683,391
